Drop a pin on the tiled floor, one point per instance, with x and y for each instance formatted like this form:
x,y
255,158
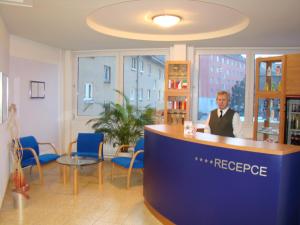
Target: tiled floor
x,y
54,203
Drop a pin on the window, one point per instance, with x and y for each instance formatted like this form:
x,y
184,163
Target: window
x,y
133,63
207,89
132,94
107,71
88,91
92,89
141,94
148,94
141,66
133,80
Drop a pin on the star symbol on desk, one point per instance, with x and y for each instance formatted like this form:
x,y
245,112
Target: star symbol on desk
x,y
211,162
205,160
201,160
196,158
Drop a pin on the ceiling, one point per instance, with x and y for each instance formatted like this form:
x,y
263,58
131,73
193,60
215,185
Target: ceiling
x,y
62,24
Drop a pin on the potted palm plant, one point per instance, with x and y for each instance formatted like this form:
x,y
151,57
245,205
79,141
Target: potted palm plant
x,y
122,124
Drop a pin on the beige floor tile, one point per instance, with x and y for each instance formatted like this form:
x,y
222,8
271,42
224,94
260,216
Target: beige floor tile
x,y
54,203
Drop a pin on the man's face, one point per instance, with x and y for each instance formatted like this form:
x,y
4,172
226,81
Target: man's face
x,y
222,101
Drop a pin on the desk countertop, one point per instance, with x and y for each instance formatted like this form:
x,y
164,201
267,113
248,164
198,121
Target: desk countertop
x,y
225,142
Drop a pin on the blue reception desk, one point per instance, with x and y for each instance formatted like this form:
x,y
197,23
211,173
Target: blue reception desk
x,y
212,180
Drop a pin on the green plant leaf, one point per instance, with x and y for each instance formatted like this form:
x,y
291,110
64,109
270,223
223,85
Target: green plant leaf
x,y
122,124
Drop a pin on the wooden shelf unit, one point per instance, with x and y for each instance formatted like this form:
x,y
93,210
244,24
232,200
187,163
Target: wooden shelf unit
x,y
177,92
269,105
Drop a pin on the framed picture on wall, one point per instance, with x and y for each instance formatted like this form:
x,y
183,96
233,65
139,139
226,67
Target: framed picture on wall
x,y
37,89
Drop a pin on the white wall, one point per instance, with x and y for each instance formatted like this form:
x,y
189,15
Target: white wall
x,y
4,139
34,61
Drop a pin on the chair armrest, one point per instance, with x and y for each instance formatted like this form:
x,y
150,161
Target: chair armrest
x,y
70,146
134,156
52,146
121,147
100,150
33,152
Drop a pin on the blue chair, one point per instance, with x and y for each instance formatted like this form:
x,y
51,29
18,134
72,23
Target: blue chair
x,y
129,163
30,154
88,144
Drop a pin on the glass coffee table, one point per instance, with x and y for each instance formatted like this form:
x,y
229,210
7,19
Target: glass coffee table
x,y
75,162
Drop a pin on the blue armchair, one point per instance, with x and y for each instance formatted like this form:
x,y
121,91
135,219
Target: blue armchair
x,y
88,144
135,162
31,156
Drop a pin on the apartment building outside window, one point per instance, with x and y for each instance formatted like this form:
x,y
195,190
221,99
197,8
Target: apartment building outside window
x,y
95,83
217,71
134,81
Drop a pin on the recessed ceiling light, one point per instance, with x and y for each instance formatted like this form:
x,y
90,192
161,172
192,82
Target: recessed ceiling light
x,y
166,20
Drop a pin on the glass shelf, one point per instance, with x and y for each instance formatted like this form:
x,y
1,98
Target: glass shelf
x,y
178,75
268,131
295,130
270,76
170,111
268,119
177,92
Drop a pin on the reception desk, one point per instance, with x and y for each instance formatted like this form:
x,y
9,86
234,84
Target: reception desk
x,y
211,180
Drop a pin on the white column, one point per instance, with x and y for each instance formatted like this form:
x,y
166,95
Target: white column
x,y
66,89
178,52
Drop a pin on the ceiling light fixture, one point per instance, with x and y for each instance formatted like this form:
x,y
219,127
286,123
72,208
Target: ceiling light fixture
x,y
166,20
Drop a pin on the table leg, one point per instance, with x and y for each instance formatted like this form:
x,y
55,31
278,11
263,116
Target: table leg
x,y
100,178
65,174
75,180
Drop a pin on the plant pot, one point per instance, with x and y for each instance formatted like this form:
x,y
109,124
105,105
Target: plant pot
x,y
19,200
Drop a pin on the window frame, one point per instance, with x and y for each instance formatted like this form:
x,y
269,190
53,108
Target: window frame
x,y
75,65
250,76
140,52
216,53
119,79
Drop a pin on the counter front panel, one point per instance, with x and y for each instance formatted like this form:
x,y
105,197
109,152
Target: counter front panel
x,y
194,183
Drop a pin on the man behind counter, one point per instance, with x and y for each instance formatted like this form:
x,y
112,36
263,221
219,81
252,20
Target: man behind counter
x,y
223,121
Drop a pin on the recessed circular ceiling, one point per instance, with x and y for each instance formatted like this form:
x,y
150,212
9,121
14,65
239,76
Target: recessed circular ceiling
x,y
199,20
